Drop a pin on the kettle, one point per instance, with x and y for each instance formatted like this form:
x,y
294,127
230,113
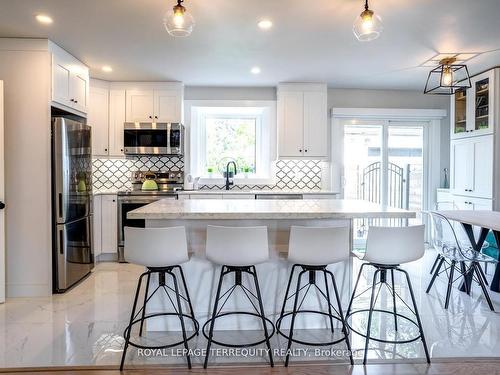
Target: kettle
x,y
149,182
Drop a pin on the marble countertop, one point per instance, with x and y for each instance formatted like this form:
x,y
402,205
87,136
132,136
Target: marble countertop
x,y
254,192
230,209
232,192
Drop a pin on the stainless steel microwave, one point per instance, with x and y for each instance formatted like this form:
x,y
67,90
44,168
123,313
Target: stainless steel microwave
x,y
153,138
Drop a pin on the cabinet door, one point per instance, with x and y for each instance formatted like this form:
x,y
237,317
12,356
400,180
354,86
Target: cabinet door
x,y
140,105
78,86
458,112
167,106
483,167
463,166
116,120
480,116
109,228
97,225
315,124
60,82
291,123
98,119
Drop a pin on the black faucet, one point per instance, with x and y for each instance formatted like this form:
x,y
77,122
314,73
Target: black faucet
x,y
229,183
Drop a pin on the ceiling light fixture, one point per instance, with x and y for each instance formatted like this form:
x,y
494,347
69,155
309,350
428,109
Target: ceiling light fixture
x,y
178,21
368,25
255,70
107,69
265,24
448,77
43,18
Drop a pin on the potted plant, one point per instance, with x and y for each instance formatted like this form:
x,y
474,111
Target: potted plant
x,y
246,171
210,172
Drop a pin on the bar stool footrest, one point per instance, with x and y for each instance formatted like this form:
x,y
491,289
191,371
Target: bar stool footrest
x,y
195,333
379,339
278,328
246,345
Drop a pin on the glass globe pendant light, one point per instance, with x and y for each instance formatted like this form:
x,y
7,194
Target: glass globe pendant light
x,y
178,21
368,25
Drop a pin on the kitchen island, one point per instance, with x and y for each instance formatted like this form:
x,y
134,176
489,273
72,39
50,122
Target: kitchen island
x,y
278,216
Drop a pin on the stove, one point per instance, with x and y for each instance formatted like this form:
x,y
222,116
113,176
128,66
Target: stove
x,y
169,183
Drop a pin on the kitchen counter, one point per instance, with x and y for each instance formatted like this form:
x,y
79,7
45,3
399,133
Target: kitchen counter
x,y
104,192
258,192
231,209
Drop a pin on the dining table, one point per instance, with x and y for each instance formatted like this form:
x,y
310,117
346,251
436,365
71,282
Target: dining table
x,y
486,221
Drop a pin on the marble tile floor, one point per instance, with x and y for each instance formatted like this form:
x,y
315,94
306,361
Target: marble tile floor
x,y
85,326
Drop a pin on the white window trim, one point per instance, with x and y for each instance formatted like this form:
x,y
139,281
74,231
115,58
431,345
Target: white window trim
x,y
266,150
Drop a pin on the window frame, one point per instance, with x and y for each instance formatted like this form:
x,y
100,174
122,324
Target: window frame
x,y
265,153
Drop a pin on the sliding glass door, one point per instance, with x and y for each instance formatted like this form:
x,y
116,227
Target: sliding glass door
x,y
384,163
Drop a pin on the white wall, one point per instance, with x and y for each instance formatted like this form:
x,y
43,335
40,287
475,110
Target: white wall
x,y
26,76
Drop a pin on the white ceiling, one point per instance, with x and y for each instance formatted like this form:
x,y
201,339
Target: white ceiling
x,y
310,41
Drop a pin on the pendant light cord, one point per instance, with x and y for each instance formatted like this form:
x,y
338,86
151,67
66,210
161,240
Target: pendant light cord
x,y
366,4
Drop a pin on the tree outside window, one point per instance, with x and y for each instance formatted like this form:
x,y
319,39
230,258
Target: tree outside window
x,y
231,138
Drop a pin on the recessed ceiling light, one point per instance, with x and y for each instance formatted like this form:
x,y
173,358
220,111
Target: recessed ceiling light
x,y
107,69
255,70
43,18
265,24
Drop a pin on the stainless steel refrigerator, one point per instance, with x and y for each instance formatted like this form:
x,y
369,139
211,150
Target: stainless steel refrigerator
x,y
73,256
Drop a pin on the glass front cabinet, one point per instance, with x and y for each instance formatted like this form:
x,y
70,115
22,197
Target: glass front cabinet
x,y
472,110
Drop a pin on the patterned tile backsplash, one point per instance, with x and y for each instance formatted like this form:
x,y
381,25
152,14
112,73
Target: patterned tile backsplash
x,y
110,174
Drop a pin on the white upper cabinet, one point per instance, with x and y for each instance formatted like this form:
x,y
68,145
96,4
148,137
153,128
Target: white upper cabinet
x,y
116,120
98,119
291,124
140,105
70,81
158,105
315,124
167,106
302,121
473,110
472,166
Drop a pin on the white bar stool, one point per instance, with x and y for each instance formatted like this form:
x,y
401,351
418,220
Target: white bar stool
x,y
312,250
238,250
386,249
160,250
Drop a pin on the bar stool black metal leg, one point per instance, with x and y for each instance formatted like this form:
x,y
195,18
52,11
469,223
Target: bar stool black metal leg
x,y
394,301
344,324
450,283
287,291
438,258
187,294
295,302
132,314
354,290
481,273
436,272
328,300
368,329
144,305
261,308
421,329
181,317
463,270
475,266
214,313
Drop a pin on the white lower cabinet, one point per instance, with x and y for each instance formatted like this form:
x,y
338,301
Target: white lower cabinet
x,y
96,226
238,196
109,225
475,204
